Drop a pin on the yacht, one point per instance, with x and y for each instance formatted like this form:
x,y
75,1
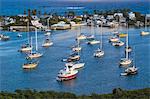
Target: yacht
x,y
67,73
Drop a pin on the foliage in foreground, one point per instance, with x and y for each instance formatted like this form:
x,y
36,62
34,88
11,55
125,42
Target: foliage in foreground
x,y
116,94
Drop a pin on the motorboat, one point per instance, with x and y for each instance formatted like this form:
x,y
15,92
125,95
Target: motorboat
x,y
144,33
74,65
30,65
47,43
119,43
125,62
67,73
98,53
130,71
113,39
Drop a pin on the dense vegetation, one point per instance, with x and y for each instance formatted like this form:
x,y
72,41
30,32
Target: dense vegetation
x,y
116,94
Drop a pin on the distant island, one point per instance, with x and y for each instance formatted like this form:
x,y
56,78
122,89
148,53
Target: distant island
x,y
54,21
117,93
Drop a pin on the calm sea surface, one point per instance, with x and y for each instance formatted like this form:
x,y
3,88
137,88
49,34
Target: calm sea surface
x,y
98,76
14,7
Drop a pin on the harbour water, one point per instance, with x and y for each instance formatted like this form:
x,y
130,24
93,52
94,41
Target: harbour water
x,y
100,75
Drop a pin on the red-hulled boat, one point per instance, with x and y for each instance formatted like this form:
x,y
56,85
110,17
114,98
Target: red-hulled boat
x,y
67,73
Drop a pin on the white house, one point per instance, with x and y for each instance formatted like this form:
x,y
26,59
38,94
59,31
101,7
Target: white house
x,y
118,14
37,23
132,16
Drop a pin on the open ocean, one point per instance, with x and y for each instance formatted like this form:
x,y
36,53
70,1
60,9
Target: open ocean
x,y
14,7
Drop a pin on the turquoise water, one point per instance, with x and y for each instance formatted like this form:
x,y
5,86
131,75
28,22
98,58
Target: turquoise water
x,y
14,7
98,75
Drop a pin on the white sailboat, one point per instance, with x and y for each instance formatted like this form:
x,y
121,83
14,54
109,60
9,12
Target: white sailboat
x,y
144,33
35,54
126,61
92,40
99,52
47,42
78,47
26,47
130,70
127,48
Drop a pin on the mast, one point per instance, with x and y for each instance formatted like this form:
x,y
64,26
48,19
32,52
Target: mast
x,y
78,39
36,39
28,31
145,23
48,23
31,44
101,38
127,56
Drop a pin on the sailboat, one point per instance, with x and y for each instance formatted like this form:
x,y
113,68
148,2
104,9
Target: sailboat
x,y
26,47
30,64
130,70
126,61
144,33
99,52
128,48
92,40
35,54
78,47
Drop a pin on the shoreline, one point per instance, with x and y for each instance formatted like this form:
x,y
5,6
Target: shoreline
x,y
116,93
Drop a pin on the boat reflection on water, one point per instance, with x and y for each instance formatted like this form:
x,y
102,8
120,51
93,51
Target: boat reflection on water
x,y
69,83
